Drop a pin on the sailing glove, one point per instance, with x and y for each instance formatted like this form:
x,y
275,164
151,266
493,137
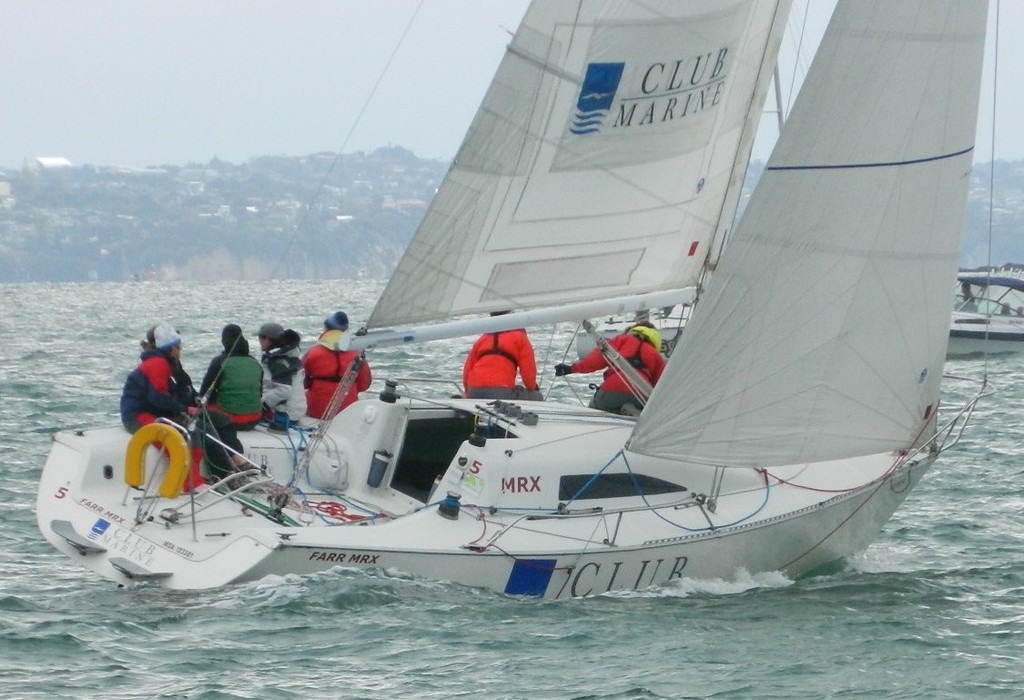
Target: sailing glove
x,y
562,370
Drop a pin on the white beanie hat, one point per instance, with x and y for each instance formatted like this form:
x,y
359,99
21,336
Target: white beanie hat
x,y
166,337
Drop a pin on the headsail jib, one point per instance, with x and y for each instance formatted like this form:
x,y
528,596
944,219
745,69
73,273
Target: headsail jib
x,y
822,333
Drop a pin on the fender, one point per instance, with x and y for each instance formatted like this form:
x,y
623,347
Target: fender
x,y
173,444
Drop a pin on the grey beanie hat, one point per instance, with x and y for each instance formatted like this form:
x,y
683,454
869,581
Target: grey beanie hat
x,y
274,331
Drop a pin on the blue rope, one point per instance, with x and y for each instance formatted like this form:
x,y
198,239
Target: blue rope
x,y
632,476
597,474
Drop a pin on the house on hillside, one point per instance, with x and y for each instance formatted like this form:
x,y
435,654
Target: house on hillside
x,y
50,163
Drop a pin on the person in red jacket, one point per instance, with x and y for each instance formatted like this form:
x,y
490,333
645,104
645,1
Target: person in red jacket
x,y
326,363
490,368
640,346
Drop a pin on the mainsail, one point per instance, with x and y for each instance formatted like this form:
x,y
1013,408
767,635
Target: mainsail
x,y
608,153
822,333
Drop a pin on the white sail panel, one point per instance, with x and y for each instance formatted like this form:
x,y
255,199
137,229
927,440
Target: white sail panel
x,y
609,129
823,331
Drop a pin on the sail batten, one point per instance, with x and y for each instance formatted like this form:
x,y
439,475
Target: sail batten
x,y
822,333
609,150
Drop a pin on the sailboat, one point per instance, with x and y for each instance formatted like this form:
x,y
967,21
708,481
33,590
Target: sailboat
x,y
599,176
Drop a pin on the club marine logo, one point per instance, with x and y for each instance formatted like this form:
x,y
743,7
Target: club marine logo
x,y
615,96
596,96
98,528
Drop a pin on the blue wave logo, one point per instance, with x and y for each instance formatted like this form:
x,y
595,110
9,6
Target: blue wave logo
x,y
596,97
98,528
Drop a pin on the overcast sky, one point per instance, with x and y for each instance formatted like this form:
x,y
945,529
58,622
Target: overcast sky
x,y
130,82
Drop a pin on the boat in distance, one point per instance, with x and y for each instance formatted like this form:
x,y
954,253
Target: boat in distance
x,y
988,314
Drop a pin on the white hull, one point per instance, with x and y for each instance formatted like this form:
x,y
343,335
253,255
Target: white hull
x,y
976,334
510,535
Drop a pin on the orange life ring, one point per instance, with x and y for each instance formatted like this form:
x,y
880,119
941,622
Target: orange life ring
x,y
173,443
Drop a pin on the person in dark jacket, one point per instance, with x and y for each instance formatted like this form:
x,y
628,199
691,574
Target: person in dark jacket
x,y
640,346
158,387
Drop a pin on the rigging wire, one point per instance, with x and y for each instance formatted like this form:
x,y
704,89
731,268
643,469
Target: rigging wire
x,y
797,60
322,184
344,144
323,181
991,180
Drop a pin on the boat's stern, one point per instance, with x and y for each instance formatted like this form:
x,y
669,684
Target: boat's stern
x,y
85,509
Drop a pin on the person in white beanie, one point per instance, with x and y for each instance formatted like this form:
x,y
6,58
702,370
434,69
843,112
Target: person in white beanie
x,y
153,389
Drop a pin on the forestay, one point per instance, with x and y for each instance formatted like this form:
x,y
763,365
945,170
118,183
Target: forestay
x,y
608,153
823,331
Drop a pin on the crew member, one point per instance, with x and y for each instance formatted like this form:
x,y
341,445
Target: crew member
x,y
284,397
640,346
492,363
326,363
152,390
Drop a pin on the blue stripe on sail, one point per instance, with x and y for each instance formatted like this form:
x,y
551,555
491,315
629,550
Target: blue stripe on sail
x,y
889,164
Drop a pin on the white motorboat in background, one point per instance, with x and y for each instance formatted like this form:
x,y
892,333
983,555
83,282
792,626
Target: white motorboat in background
x,y
669,321
988,313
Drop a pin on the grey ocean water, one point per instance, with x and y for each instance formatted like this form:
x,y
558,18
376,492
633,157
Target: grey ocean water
x,y
934,609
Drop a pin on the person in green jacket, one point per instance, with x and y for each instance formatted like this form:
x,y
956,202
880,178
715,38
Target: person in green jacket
x,y
233,387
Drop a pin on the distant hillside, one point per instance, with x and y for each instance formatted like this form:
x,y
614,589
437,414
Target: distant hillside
x,y
315,216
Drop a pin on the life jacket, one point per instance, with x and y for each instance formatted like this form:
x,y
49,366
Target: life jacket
x,y
635,359
323,376
650,367
483,369
333,378
239,387
495,350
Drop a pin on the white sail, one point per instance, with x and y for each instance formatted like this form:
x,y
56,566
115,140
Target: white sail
x,y
823,331
609,129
